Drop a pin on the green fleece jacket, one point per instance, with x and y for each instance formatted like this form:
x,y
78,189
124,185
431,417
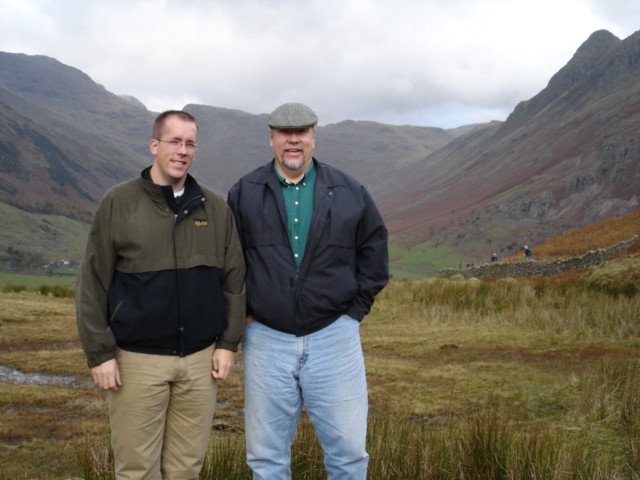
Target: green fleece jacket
x,y
158,282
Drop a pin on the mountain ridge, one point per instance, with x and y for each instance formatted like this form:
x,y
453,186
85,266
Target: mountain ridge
x,y
564,158
541,171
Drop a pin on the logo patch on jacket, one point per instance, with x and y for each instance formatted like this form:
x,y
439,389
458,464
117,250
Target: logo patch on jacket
x,y
200,222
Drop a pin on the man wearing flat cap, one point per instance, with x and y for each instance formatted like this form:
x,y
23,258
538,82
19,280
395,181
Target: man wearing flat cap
x,y
315,247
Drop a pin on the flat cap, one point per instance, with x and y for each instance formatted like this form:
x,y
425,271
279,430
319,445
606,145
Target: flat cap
x,y
292,115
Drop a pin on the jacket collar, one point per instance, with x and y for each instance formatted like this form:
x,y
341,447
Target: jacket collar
x,y
193,195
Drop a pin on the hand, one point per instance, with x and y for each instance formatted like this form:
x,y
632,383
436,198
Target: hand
x,y
249,319
107,375
222,363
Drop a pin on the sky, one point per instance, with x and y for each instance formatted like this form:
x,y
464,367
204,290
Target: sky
x,y
435,63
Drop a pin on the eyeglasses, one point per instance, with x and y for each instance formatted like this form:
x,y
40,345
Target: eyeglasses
x,y
176,144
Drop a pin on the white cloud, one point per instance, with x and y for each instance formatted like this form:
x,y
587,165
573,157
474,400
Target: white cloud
x,y
422,62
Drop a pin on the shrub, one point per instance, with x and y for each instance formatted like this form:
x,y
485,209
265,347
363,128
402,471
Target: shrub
x,y
56,291
11,288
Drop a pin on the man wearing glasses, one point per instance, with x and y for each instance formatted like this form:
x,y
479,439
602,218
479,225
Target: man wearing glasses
x,y
160,307
315,247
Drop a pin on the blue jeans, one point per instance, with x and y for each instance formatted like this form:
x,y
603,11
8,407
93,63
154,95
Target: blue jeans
x,y
324,372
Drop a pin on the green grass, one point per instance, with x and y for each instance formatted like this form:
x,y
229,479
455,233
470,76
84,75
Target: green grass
x,y
420,261
63,278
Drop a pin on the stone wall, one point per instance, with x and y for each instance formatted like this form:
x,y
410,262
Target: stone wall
x,y
532,267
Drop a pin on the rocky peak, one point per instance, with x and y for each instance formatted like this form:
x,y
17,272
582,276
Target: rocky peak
x,y
597,47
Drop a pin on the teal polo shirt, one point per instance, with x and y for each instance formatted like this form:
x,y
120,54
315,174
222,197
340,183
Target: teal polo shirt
x,y
298,201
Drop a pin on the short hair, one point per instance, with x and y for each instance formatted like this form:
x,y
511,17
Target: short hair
x,y
158,124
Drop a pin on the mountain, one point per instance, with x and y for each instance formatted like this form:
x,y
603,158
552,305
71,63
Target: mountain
x,y
63,138
566,157
232,142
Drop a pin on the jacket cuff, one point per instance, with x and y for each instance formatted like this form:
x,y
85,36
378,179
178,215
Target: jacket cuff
x,y
226,346
99,359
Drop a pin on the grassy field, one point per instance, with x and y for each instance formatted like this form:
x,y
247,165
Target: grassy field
x,y
420,261
66,278
512,378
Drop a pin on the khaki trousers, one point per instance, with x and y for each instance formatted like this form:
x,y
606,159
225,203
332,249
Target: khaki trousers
x,y
161,416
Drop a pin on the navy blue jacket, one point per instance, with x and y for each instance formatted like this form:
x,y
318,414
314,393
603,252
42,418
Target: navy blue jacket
x,y
346,257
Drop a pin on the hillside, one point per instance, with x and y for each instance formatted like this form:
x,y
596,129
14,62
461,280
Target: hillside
x,y
64,140
591,237
233,143
603,256
566,158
